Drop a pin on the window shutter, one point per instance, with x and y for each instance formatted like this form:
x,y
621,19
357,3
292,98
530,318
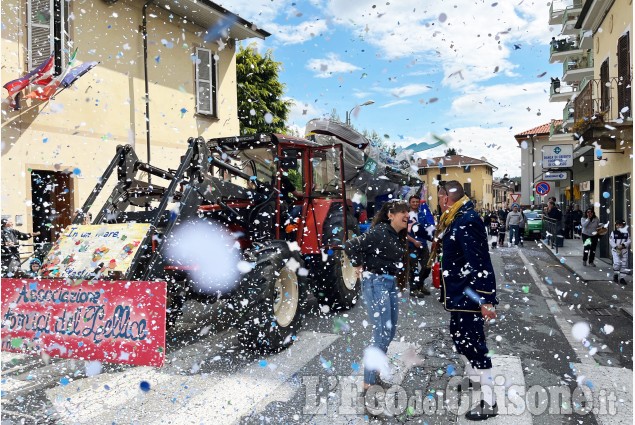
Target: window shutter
x,y
605,94
40,31
205,82
624,75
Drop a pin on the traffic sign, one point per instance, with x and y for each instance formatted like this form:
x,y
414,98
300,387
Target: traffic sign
x,y
542,188
555,176
514,197
557,156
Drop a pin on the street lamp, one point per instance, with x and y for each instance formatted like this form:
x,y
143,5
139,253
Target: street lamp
x,y
348,113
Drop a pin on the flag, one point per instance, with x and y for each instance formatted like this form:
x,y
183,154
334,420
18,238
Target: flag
x,y
19,84
75,73
48,91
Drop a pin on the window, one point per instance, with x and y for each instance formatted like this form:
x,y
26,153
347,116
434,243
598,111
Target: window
x,y
443,170
624,74
605,94
466,169
205,82
47,28
467,187
421,171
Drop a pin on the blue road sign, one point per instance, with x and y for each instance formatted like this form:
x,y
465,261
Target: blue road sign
x,y
542,188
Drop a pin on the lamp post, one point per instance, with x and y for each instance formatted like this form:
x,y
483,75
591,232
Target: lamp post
x,y
348,113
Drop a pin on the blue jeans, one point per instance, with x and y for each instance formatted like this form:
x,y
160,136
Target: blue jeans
x,y
380,296
514,234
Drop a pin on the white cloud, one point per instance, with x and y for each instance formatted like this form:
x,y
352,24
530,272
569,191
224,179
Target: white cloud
x,y
506,105
300,113
395,103
299,33
409,29
331,65
409,90
496,145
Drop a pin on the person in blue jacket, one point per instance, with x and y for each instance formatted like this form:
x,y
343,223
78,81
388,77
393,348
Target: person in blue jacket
x,y
420,231
468,288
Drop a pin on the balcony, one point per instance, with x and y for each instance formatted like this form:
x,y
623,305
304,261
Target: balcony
x,y
558,9
558,93
561,49
602,101
577,67
569,19
568,115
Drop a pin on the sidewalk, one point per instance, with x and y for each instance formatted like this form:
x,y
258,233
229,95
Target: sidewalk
x,y
570,256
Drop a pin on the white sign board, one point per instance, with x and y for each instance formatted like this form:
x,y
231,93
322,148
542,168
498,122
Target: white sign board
x,y
557,156
554,175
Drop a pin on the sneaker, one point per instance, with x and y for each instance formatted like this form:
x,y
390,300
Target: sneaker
x,y
425,291
622,281
482,412
584,263
592,264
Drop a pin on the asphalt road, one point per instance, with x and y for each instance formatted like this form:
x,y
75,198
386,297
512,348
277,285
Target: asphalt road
x,y
208,379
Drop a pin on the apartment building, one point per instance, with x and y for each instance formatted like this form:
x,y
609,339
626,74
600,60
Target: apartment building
x,y
595,50
181,53
476,175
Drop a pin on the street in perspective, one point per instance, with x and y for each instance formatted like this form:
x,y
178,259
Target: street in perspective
x,y
316,212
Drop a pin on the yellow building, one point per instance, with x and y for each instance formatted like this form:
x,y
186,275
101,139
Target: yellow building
x,y
603,117
53,152
476,175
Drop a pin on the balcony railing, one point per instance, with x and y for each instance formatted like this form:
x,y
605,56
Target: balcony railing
x,y
611,98
563,45
556,89
576,62
558,8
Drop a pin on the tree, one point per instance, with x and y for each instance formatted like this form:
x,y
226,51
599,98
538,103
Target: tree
x,y
450,152
260,105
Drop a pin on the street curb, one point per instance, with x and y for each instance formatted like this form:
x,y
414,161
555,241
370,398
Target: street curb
x,y
626,313
565,265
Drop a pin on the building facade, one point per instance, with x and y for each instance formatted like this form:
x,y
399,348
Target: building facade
x,y
476,176
598,111
53,152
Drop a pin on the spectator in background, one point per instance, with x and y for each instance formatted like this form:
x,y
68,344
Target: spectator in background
x,y
568,223
419,232
514,223
577,219
11,246
553,212
590,224
620,241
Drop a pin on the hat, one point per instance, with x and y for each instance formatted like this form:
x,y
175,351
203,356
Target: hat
x,y
515,205
35,261
4,221
602,231
620,222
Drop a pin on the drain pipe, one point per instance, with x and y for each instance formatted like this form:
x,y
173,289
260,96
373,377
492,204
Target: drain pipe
x,y
144,32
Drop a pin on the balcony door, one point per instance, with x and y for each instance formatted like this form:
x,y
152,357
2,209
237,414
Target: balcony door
x,y
624,74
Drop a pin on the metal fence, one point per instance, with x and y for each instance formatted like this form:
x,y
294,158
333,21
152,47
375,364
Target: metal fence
x,y
552,232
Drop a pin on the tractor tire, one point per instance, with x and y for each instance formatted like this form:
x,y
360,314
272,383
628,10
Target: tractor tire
x,y
337,284
176,298
272,323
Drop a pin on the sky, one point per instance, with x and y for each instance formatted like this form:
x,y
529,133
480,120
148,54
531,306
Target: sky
x,y
471,72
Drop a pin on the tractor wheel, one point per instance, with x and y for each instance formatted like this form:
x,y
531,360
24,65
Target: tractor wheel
x,y
337,283
272,323
176,298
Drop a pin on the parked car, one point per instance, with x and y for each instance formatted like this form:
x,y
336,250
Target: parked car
x,y
533,224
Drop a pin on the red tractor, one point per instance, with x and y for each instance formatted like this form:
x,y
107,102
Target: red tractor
x,y
284,198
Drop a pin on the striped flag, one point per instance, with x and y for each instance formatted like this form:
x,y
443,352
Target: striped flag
x,y
16,86
45,93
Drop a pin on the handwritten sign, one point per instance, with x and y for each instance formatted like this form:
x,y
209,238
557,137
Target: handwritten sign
x,y
89,251
111,321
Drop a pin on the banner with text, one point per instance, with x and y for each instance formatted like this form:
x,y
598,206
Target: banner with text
x,y
110,321
90,250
